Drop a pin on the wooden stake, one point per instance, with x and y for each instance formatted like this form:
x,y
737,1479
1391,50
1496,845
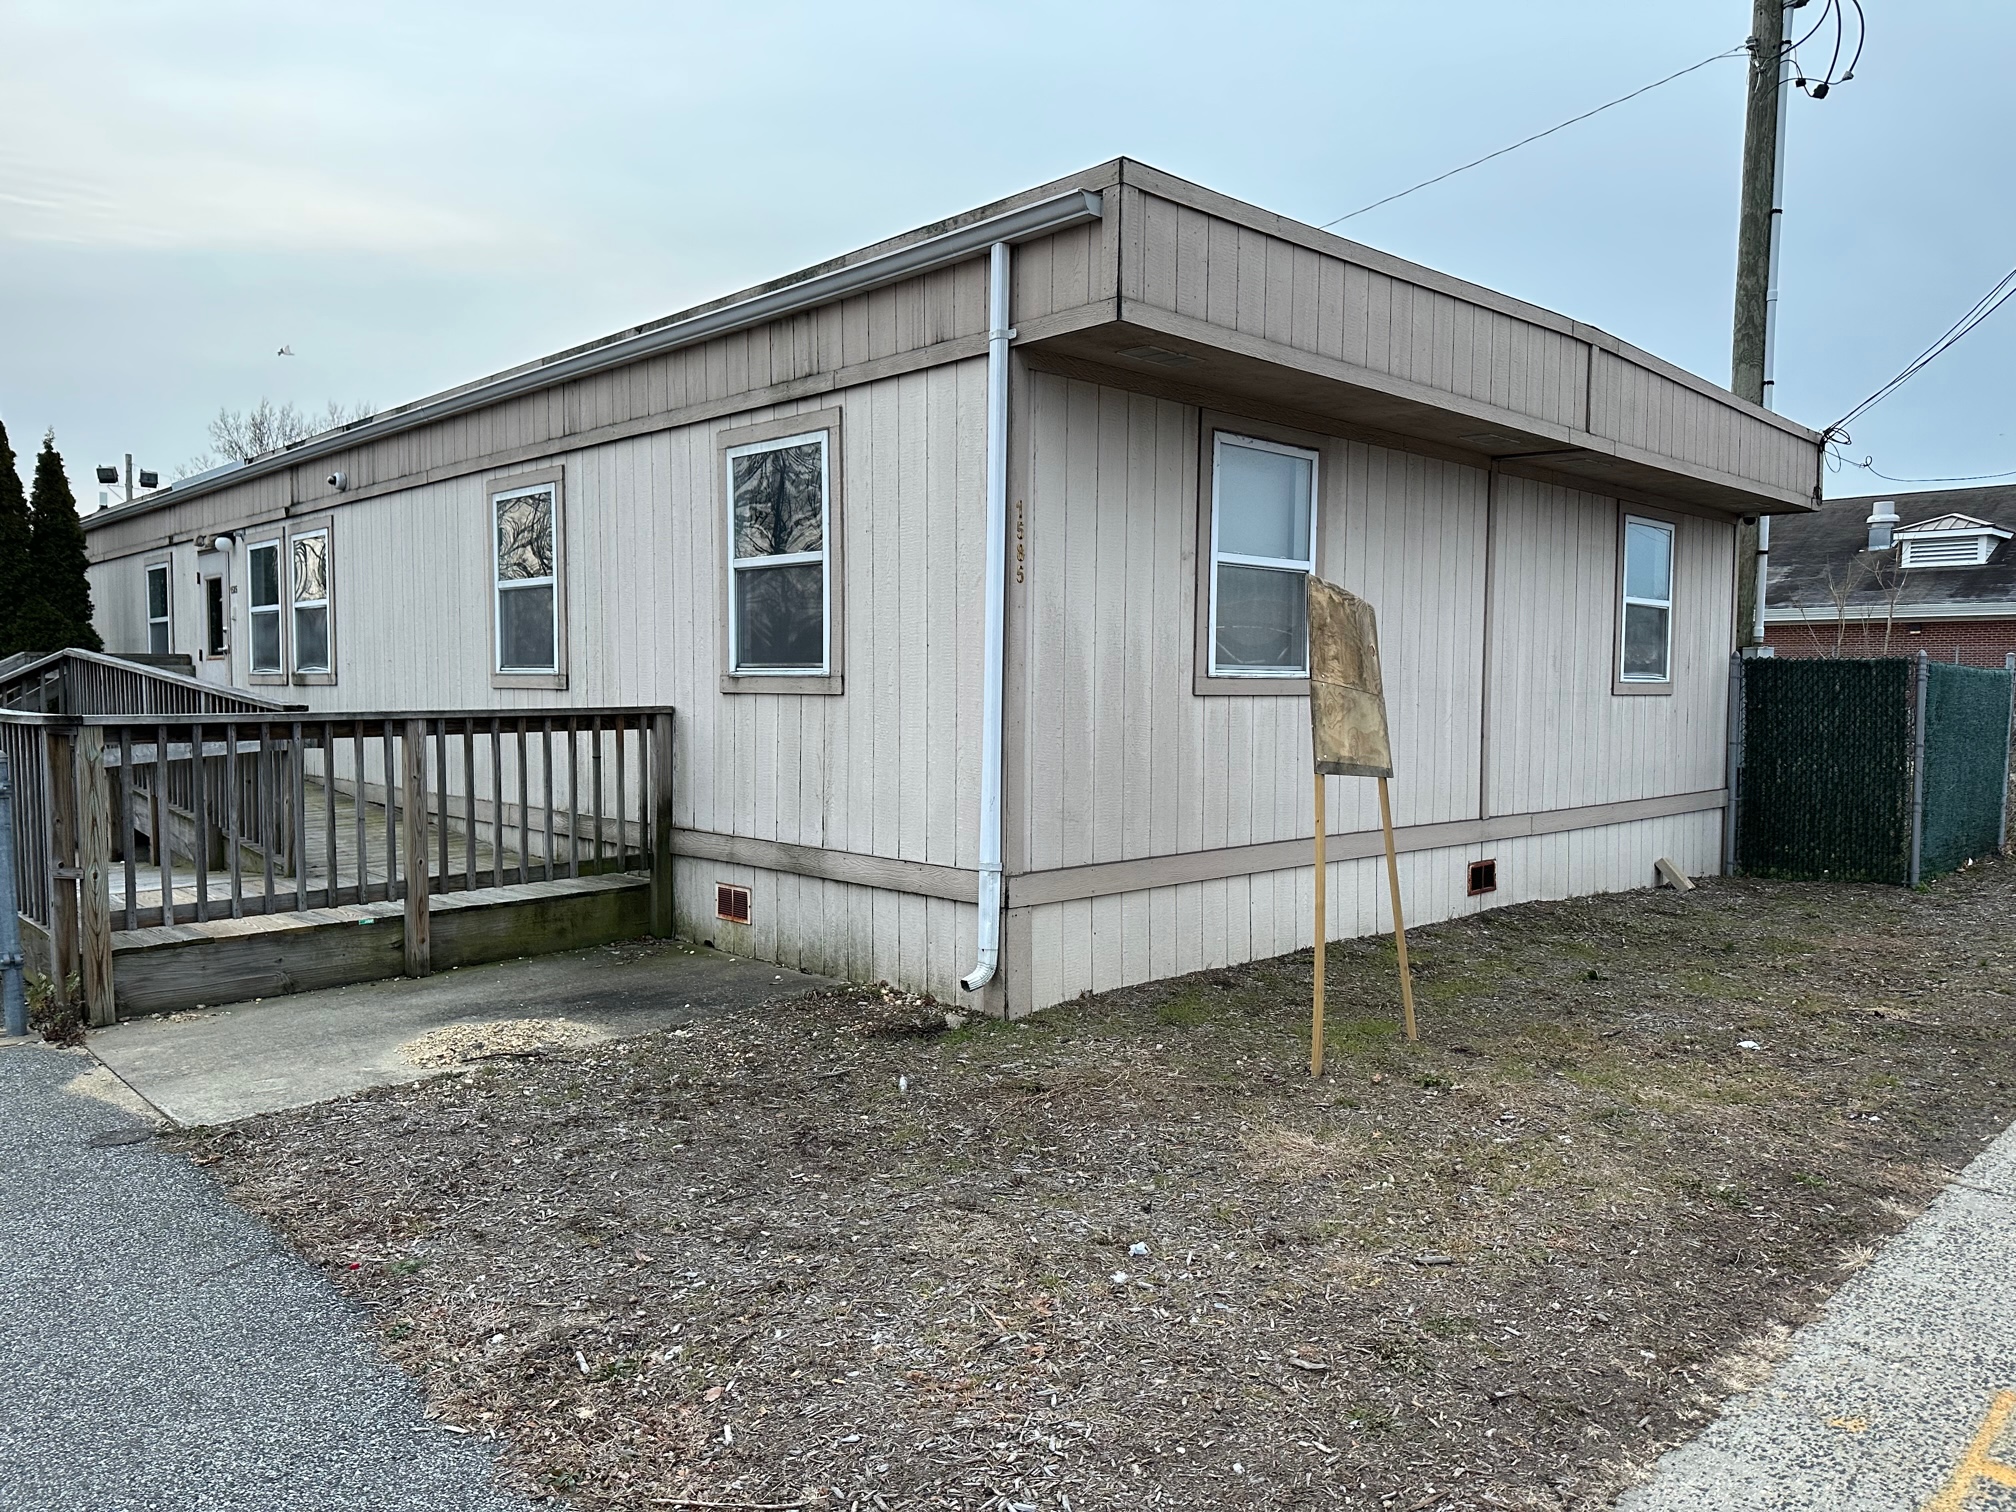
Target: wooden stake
x,y
94,877
1322,938
1399,924
413,798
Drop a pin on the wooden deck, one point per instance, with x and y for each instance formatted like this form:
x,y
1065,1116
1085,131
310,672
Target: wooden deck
x,y
360,837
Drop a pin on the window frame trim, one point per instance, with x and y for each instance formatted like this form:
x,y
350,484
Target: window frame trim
x,y
768,435
275,677
503,486
165,565
1327,477
1620,685
324,526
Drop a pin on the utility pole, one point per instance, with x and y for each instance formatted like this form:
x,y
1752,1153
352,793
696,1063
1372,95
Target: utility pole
x,y
1757,274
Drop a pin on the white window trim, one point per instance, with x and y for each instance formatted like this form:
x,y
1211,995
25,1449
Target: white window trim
x,y
278,609
165,619
325,604
1305,565
1625,600
509,486
823,556
501,585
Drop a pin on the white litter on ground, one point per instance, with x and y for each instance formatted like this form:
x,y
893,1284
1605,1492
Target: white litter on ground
x,y
454,1044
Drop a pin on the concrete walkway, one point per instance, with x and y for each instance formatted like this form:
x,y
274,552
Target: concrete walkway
x,y
161,1352
288,1052
1901,1399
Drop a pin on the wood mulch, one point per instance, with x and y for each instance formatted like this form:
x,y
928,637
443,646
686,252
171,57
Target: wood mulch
x,y
1127,1255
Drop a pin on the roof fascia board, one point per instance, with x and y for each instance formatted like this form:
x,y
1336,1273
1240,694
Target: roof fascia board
x,y
1210,202
1074,208
1903,614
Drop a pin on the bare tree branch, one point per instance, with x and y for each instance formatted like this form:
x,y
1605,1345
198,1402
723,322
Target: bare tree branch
x,y
241,435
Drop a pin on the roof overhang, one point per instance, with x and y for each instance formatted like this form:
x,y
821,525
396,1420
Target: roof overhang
x,y
819,288
1142,351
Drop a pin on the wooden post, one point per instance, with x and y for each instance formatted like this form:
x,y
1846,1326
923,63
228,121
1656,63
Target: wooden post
x,y
413,796
1322,936
94,878
1399,924
662,920
61,756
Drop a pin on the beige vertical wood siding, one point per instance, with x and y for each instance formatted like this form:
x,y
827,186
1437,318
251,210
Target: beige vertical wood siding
x,y
1096,944
1211,269
836,929
885,770
1559,737
1124,761
1302,292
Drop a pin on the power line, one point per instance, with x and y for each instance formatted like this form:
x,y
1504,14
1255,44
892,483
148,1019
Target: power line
x,y
1818,88
1997,296
1527,141
1868,465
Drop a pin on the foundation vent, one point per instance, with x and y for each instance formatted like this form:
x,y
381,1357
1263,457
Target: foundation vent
x,y
731,903
1483,877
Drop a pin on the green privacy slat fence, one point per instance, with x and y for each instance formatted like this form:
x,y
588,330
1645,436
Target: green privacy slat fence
x,y
1825,786
1827,755
1966,734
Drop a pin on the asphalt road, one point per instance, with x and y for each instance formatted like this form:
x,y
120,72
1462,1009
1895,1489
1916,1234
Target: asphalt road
x,y
161,1352
1902,1398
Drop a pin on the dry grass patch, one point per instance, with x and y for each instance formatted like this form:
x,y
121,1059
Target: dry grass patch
x,y
1128,1255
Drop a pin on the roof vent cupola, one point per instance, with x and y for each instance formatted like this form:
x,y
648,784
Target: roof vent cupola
x,y
1882,524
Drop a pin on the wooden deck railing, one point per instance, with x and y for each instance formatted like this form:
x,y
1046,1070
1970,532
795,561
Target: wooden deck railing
x,y
124,822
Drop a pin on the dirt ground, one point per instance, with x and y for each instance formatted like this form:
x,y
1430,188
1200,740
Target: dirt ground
x,y
1127,1255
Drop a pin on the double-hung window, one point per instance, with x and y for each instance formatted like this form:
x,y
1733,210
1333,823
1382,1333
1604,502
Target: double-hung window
x,y
157,609
525,523
262,572
1645,610
779,566
1263,548
290,605
309,585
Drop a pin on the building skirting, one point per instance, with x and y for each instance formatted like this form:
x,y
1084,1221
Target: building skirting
x,y
1064,884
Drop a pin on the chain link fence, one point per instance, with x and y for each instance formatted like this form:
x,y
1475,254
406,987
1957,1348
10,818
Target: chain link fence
x,y
1886,770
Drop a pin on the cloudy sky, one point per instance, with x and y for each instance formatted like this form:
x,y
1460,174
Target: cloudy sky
x,y
411,195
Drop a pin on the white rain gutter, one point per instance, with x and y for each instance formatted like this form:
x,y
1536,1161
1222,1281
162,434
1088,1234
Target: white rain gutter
x,y
994,650
1041,219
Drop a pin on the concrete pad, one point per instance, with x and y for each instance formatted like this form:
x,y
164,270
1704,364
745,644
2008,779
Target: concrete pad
x,y
287,1052
1880,1400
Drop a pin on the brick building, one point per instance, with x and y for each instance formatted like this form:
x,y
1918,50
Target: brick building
x,y
1869,576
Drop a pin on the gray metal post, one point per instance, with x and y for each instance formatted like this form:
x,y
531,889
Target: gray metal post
x,y
1918,770
2008,735
13,990
1733,784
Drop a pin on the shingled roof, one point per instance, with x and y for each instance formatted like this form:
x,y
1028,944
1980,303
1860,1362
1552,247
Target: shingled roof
x,y
1805,548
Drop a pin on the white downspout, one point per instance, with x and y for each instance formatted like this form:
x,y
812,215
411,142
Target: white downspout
x,y
993,653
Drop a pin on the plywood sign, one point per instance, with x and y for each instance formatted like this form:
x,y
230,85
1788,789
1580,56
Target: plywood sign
x,y
1347,697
